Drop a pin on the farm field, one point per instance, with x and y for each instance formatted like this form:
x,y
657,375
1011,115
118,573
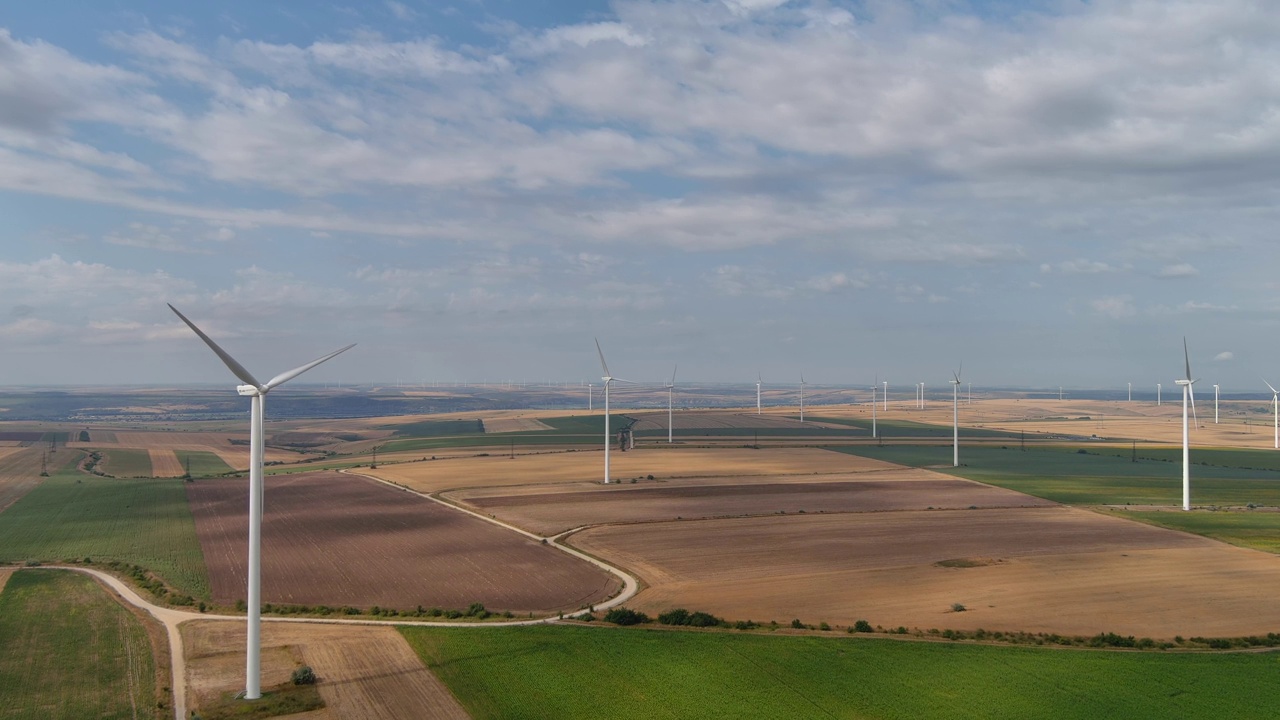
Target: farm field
x,y
219,443
1255,529
364,671
662,463
1054,569
686,420
553,512
72,515
1099,477
641,673
125,463
338,539
202,463
69,650
20,470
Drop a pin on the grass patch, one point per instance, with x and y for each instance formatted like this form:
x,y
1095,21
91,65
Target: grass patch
x,y
889,429
203,463
1251,529
284,699
71,516
574,672
125,463
68,650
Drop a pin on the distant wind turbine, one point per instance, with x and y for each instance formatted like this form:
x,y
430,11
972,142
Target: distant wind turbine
x,y
590,399
258,392
886,395
1187,392
1130,392
874,387
1215,404
1157,394
671,386
608,380
955,417
759,380
802,384
1275,406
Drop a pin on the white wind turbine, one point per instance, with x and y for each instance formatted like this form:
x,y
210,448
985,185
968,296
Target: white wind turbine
x,y
886,394
590,398
257,391
874,387
802,384
671,386
759,380
1157,394
1130,393
1215,404
1275,406
608,380
1186,384
955,417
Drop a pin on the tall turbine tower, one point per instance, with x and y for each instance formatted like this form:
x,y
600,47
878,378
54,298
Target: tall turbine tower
x,y
758,381
671,386
802,384
1187,392
886,394
955,417
257,391
608,380
874,388
1157,394
1215,404
1130,392
1275,406
590,398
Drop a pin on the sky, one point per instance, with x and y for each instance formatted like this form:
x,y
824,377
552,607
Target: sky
x,y
1049,193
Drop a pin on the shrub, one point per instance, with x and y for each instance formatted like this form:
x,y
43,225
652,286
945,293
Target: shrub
x,y
864,626
957,607
678,616
823,625
625,616
702,619
796,624
303,676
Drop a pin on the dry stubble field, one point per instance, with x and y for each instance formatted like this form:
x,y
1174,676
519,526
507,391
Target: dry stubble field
x,y
588,466
341,539
364,671
1054,569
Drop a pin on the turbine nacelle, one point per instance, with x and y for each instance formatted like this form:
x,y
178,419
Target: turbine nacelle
x,y
248,390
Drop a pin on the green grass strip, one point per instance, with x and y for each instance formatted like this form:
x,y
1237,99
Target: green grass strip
x,y
574,672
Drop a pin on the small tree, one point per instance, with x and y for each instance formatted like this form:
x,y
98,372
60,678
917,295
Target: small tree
x,y
862,626
625,616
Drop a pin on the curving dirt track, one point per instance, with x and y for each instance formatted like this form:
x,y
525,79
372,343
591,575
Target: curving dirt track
x,y
338,539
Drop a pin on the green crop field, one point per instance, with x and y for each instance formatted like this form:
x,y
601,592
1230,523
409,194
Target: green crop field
x,y
1255,529
145,522
125,463
1065,475
438,428
586,672
202,463
67,650
897,429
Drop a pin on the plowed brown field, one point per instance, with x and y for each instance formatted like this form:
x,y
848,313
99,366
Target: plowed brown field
x,y
336,539
662,463
164,463
1052,569
550,513
20,470
364,671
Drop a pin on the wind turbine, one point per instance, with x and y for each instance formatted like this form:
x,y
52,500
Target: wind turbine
x,y
1275,405
955,416
257,391
1186,384
1130,393
671,386
608,380
1157,394
590,398
1215,404
758,381
886,394
802,384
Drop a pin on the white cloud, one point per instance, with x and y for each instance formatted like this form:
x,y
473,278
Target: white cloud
x,y
1179,270
1116,307
1224,356
1079,266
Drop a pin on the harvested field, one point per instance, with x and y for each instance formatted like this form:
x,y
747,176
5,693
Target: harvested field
x,y
236,456
126,463
5,572
514,424
364,671
1052,569
9,450
337,539
697,420
551,513
164,463
21,436
662,463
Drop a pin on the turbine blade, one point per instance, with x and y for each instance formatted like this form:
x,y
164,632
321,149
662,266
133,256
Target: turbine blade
x,y
1186,356
602,362
285,377
236,368
1192,392
1273,390
673,375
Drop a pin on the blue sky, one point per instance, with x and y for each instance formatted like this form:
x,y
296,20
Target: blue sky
x,y
1052,193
